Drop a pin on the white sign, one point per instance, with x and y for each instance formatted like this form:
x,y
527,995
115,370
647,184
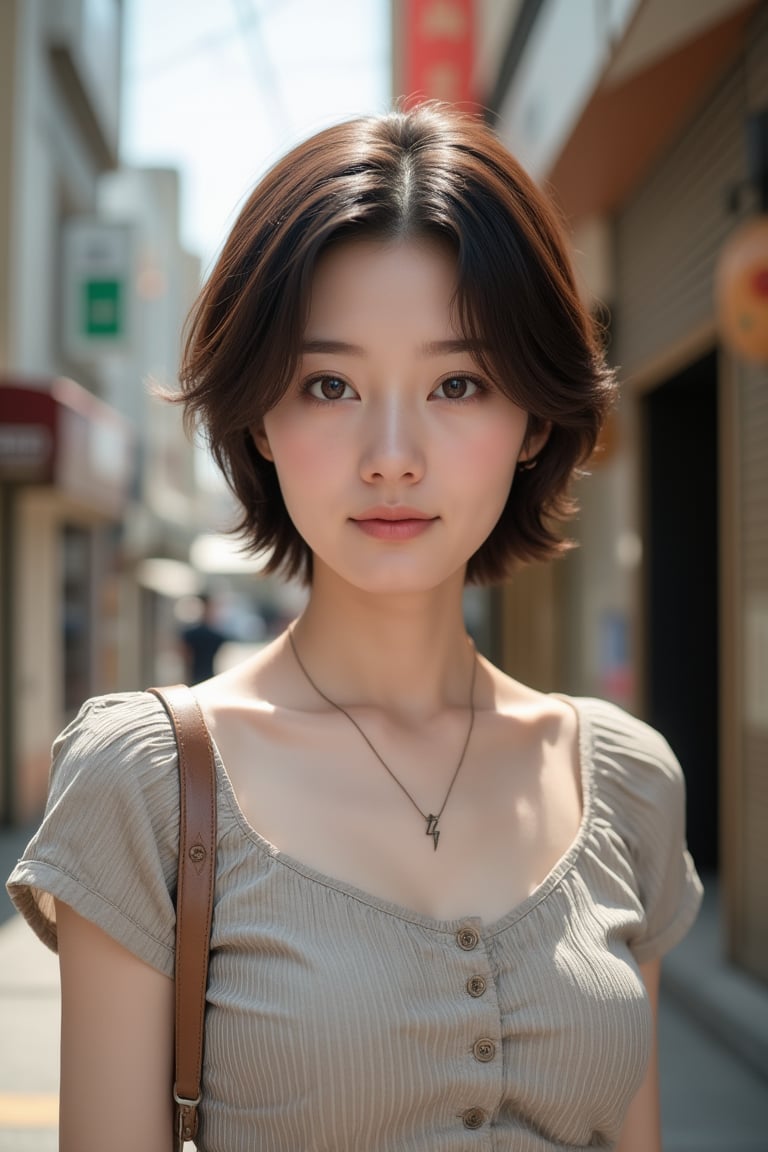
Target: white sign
x,y
97,290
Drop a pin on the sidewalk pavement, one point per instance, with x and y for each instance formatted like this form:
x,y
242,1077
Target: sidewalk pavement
x,y
713,1037
29,1024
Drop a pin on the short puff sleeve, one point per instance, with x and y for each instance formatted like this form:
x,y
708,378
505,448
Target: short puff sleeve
x,y
108,843
640,793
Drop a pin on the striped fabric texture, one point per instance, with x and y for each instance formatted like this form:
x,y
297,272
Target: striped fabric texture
x,y
340,1022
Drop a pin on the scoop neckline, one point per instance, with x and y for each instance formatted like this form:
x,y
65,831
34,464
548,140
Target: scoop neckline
x,y
400,911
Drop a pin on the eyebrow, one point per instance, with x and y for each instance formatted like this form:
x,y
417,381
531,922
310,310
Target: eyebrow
x,y
439,347
431,348
333,346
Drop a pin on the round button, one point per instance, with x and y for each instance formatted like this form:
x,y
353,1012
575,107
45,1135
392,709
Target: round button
x,y
473,1118
484,1050
467,939
476,985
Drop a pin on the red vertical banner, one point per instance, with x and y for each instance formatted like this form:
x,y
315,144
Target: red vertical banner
x,y
438,50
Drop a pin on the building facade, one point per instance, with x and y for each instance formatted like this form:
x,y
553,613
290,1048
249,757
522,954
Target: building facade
x,y
634,114
95,478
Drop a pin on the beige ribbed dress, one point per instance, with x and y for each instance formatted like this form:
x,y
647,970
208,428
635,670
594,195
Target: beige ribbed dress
x,y
339,1022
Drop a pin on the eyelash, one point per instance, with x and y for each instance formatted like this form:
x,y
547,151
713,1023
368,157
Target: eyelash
x,y
320,401
479,385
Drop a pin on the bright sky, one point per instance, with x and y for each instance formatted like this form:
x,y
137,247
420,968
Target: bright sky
x,y
221,88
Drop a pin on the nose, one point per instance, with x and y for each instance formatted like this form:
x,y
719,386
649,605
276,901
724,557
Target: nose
x,y
393,448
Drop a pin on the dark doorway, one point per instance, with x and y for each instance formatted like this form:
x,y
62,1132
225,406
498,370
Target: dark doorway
x,y
682,586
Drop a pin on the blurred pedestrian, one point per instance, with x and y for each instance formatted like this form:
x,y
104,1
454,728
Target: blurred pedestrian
x,y
200,643
441,896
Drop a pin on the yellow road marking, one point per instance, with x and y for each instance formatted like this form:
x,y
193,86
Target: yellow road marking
x,y
29,1109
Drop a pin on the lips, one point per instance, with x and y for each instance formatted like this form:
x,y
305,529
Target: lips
x,y
393,512
394,523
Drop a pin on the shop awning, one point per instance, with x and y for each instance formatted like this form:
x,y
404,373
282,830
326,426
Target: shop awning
x,y
53,432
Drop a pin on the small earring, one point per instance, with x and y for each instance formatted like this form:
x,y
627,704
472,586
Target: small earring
x,y
527,465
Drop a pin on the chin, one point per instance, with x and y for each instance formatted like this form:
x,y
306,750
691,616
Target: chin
x,y
395,580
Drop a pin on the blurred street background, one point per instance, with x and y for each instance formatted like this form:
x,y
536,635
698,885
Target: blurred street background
x,y
130,133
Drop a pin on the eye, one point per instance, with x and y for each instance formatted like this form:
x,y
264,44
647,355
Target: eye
x,y
457,388
329,388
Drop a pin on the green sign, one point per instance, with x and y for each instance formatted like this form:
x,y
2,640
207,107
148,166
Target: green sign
x,y
102,308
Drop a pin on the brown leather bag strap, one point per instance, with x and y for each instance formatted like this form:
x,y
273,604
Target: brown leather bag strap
x,y
194,899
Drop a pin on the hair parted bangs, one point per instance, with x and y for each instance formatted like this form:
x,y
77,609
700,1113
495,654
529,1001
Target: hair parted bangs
x,y
428,172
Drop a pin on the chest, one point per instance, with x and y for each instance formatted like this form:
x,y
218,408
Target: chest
x,y
499,828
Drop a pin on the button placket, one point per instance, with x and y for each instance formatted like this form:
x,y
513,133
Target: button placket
x,y
483,1049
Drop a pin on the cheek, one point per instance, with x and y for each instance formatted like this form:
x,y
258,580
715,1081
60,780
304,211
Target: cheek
x,y
297,452
492,456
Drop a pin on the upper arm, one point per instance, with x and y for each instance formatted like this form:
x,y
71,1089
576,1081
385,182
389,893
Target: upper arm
x,y
117,1021
641,1131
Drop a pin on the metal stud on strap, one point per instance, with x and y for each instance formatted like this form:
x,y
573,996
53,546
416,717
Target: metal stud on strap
x,y
184,1132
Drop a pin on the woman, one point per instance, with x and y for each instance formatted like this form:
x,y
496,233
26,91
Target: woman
x,y
441,896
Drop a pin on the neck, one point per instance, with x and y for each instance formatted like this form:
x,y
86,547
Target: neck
x,y
409,655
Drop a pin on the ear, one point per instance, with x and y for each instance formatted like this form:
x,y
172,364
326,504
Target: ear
x,y
259,437
535,441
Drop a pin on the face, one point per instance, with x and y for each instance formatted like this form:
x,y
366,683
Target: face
x,y
395,453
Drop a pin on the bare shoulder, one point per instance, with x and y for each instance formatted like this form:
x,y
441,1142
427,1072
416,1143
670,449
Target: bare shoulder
x,y
522,726
256,714
513,700
255,686
245,677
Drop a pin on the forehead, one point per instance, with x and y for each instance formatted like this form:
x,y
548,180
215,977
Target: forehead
x,y
365,281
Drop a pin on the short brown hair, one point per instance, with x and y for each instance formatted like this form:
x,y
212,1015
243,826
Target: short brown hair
x,y
426,172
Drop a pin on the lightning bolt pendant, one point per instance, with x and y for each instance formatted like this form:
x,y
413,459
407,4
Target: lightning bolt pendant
x,y
432,829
